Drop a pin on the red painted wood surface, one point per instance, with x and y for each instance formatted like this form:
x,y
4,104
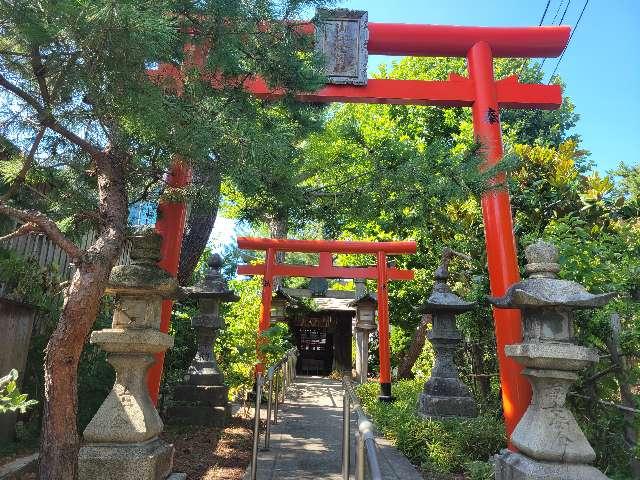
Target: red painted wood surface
x,y
313,271
383,322
501,247
423,40
170,225
333,246
456,92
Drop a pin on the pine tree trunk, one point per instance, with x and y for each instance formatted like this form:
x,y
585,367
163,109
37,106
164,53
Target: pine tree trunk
x,y
415,348
199,227
60,439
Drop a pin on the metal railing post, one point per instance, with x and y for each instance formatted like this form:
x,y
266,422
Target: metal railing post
x,y
276,399
360,456
256,428
346,435
267,434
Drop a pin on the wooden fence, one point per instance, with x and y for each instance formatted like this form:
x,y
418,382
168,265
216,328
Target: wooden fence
x,y
47,254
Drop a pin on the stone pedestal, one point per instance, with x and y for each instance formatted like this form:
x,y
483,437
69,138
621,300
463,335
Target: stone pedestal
x,y
121,441
444,394
202,399
550,442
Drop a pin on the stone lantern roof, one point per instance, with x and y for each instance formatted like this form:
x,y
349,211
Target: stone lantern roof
x,y
543,288
367,298
143,275
213,285
442,299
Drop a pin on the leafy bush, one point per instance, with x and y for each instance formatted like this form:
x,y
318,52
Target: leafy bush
x,y
439,446
11,400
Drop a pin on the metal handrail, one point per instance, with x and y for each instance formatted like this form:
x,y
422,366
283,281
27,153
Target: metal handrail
x,y
280,375
365,437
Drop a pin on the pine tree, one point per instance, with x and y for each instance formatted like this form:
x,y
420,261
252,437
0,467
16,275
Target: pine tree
x,y
78,103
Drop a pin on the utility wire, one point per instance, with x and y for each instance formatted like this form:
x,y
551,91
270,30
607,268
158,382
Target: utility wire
x,y
557,11
569,41
544,14
559,23
564,13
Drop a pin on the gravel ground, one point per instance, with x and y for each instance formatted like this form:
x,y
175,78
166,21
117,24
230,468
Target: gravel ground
x,y
206,453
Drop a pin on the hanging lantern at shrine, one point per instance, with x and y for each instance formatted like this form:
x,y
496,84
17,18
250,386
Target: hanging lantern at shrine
x,y
365,312
279,304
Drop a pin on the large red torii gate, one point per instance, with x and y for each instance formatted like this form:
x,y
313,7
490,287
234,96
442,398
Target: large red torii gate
x,y
480,90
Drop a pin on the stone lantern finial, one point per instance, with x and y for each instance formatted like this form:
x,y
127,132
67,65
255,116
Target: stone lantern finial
x,y
542,260
550,442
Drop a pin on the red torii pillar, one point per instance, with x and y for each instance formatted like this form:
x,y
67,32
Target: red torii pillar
x,y
381,272
485,95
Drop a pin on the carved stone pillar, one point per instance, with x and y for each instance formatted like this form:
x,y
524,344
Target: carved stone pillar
x,y
121,440
203,397
444,394
550,442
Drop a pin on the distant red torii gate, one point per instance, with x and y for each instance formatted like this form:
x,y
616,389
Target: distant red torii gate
x,y
480,91
325,268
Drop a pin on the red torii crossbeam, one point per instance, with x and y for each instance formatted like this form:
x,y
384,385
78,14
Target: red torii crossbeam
x,y
325,268
486,96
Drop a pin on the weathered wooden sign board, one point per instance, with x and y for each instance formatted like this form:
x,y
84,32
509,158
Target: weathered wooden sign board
x,y
341,37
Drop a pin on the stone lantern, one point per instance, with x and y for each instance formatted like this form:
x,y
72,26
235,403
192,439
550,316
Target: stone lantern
x,y
279,304
122,439
203,397
365,306
444,394
550,442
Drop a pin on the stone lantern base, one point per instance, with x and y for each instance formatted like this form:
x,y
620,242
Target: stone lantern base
x,y
446,407
206,405
516,466
150,460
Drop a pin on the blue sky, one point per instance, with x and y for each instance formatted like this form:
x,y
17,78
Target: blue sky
x,y
601,67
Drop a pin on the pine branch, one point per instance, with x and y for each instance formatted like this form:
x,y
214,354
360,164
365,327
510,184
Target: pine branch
x,y
46,226
26,166
24,229
39,72
46,119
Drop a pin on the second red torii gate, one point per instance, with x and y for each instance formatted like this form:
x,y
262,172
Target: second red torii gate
x,y
480,91
325,268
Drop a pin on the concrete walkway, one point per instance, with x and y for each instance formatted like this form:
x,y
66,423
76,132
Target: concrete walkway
x,y
306,443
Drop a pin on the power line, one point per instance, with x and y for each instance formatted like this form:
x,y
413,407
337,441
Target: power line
x,y
557,11
544,14
569,41
564,13
560,22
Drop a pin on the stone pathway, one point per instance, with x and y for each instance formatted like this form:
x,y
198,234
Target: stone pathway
x,y
306,442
